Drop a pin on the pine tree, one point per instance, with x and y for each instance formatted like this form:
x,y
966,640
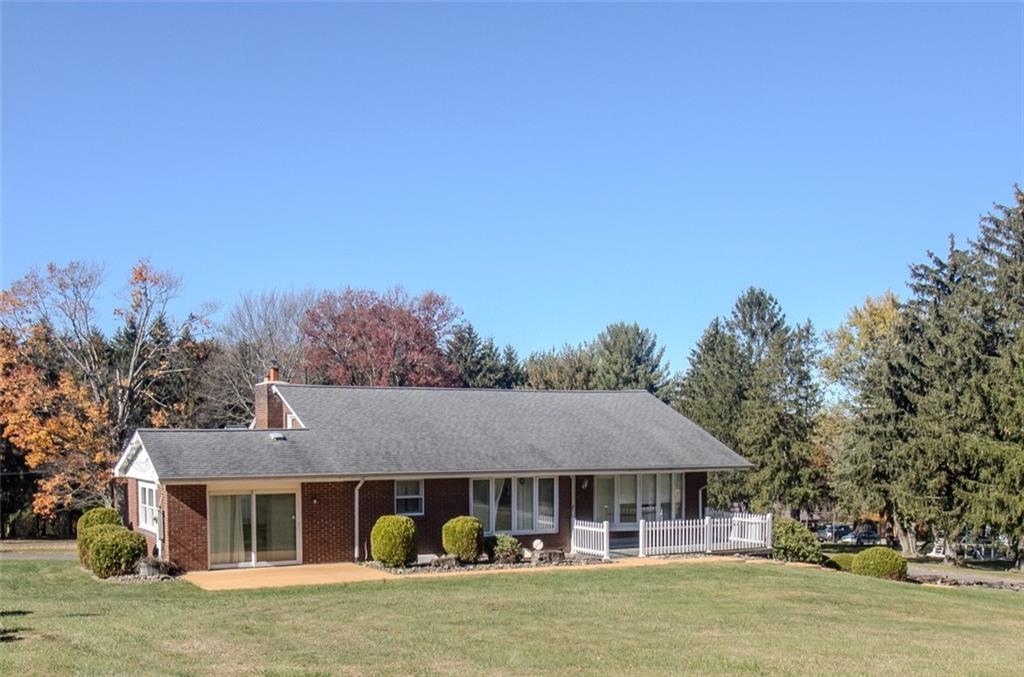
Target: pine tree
x,y
628,357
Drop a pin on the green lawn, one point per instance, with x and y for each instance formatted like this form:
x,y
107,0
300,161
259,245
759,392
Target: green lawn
x,y
690,617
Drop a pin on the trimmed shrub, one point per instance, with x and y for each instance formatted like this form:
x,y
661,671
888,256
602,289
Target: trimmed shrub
x,y
115,551
507,549
87,536
880,562
842,560
793,542
462,537
93,518
393,540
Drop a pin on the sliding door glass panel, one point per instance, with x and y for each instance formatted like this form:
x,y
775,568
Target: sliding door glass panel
x,y
627,499
649,497
677,496
230,529
482,502
524,504
604,498
664,497
546,504
275,528
503,504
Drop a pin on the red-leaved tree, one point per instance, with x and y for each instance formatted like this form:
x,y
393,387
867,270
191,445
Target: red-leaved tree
x,y
361,337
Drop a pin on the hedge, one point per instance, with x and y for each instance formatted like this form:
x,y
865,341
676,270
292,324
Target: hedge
x,y
393,540
88,535
462,537
115,552
880,562
793,542
92,518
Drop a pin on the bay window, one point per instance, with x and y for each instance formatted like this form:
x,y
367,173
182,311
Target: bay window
x,y
520,505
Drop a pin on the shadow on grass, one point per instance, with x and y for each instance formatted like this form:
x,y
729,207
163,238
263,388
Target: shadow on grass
x,y
10,634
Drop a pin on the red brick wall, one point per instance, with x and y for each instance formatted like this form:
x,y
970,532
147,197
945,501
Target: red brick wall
x,y
694,481
327,522
269,407
185,528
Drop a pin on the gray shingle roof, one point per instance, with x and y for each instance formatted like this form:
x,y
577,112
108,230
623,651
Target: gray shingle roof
x,y
351,431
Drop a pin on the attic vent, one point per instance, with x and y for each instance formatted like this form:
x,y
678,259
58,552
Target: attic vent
x,y
278,437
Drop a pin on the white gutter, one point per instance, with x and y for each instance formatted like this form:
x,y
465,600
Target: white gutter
x,y
357,517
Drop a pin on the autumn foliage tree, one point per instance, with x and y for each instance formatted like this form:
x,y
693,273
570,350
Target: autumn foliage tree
x,y
71,397
361,337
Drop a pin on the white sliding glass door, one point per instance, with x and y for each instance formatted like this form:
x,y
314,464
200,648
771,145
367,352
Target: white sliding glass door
x,y
252,529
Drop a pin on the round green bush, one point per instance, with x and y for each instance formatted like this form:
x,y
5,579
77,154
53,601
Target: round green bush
x,y
793,542
462,537
507,549
880,562
842,560
393,540
115,552
88,535
91,518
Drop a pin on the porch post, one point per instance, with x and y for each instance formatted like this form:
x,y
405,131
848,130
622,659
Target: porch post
x,y
607,541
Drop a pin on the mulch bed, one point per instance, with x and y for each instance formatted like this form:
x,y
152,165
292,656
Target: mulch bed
x,y
453,565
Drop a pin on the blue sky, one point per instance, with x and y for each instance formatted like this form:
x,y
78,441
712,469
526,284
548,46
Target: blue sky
x,y
552,168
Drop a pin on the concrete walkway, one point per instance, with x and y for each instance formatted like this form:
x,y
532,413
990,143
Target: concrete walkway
x,y
347,572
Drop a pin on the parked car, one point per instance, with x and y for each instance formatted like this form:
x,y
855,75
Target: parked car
x,y
866,536
830,533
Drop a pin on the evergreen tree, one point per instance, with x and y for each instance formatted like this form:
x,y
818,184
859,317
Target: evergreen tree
x,y
629,358
750,382
479,364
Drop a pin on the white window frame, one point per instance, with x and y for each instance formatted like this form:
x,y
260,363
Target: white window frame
x,y
149,513
677,479
493,508
420,496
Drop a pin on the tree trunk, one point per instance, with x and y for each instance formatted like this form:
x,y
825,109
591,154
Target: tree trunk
x,y
1018,561
907,539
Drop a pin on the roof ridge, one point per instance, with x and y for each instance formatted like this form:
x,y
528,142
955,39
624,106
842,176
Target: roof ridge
x,y
217,430
462,389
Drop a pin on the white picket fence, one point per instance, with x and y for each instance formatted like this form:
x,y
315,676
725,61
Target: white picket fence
x,y
591,538
727,532
734,532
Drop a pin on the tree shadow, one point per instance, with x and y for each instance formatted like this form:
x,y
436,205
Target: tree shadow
x,y
10,634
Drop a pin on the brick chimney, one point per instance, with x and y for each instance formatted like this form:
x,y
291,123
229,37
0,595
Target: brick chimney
x,y
269,407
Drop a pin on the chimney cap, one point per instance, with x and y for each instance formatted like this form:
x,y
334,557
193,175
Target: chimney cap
x,y
273,372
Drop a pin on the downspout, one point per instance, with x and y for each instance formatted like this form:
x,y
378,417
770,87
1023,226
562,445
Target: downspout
x,y
358,486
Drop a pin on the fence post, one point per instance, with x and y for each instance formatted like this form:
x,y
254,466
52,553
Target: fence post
x,y
607,541
572,536
768,536
643,537
707,534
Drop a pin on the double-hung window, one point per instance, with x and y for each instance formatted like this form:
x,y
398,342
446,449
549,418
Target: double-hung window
x,y
519,505
148,515
408,497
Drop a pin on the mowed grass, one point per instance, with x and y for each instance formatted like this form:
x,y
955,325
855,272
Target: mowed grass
x,y
689,617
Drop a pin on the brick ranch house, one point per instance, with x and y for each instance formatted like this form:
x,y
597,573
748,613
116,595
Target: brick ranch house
x,y
319,464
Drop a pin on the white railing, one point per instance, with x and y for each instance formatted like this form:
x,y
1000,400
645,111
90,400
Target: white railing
x,y
591,538
734,533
